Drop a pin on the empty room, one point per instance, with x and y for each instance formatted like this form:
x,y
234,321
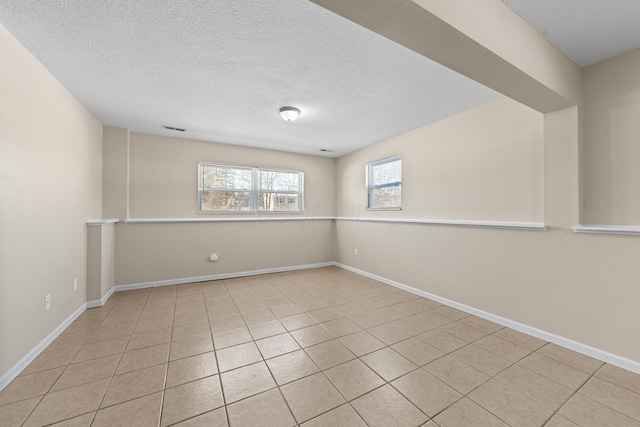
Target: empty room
x,y
320,213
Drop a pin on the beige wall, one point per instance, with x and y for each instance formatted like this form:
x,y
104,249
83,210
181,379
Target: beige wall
x,y
163,184
50,184
540,61
115,173
612,141
156,252
164,174
581,287
108,261
100,261
484,164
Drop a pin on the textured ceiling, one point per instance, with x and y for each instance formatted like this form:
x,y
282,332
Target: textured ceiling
x,y
222,70
587,31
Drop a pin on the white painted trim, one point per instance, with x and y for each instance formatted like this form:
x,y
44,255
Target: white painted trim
x,y
535,226
101,302
234,219
622,362
102,221
604,356
220,276
19,367
633,230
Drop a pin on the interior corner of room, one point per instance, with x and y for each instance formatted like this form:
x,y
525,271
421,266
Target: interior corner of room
x,y
523,210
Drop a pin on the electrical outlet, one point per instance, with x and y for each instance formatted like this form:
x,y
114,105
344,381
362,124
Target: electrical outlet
x,y
47,302
75,284
355,251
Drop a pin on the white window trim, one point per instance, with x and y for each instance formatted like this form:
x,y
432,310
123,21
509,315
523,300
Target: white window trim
x,y
255,190
300,193
368,178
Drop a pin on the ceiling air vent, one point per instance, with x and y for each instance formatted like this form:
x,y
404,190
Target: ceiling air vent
x,y
172,128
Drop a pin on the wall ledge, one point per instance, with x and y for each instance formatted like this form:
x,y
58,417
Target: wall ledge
x,y
227,219
622,362
633,230
95,222
534,226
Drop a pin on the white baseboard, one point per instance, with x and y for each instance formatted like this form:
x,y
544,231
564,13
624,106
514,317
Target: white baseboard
x,y
100,302
621,362
220,276
602,355
15,371
18,367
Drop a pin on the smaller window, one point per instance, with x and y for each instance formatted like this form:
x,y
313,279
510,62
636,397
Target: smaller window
x,y
384,184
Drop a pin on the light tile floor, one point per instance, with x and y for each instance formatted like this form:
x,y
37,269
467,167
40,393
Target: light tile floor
x,y
322,347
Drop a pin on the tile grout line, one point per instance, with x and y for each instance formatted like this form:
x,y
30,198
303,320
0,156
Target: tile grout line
x,y
166,370
308,289
385,382
491,378
325,328
95,413
577,391
466,395
277,386
215,352
57,379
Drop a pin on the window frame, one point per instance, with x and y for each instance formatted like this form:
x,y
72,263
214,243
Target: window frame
x,y
254,191
284,193
369,187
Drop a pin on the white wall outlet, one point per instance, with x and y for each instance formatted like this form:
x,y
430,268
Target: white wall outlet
x,y
47,302
75,284
213,257
355,251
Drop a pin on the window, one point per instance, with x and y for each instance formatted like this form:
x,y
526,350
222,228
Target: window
x,y
241,189
384,184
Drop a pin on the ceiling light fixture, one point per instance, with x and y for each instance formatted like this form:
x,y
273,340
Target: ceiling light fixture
x,y
289,113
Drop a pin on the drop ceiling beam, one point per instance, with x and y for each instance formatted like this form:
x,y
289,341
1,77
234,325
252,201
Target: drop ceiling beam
x,y
483,40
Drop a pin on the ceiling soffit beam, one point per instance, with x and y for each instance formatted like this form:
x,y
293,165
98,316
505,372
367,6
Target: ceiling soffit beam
x,y
483,40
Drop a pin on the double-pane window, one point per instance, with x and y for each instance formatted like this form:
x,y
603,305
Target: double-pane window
x,y
240,189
